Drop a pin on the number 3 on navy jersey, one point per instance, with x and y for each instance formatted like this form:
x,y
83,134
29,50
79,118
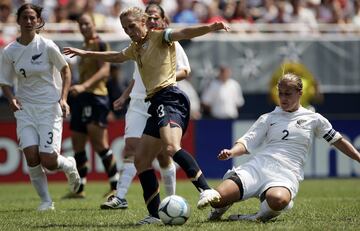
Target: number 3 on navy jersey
x,y
22,70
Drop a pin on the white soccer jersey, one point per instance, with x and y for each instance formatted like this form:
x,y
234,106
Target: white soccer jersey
x,y
138,91
36,67
286,137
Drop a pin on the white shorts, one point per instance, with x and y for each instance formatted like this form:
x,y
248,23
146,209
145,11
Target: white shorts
x,y
136,117
258,175
40,125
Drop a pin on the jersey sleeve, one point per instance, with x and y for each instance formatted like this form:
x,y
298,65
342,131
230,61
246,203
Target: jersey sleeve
x,y
129,51
325,130
255,136
182,61
7,70
56,57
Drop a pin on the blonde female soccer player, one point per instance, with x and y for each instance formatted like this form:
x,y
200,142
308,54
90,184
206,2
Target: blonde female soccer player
x,y
273,173
43,81
154,53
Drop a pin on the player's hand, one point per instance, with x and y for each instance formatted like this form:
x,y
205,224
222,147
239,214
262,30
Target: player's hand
x,y
73,51
77,89
64,108
220,26
225,154
15,104
119,103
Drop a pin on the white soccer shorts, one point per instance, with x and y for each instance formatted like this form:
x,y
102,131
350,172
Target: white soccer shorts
x,y
40,125
135,118
258,176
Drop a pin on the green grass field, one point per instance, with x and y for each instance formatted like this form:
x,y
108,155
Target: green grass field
x,y
326,204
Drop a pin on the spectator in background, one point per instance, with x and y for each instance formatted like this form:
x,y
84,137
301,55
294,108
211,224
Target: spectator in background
x,y
303,16
60,15
223,98
283,13
90,9
214,13
184,13
266,13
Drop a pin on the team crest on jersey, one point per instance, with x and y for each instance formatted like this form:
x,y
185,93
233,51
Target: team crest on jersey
x,y
34,59
300,122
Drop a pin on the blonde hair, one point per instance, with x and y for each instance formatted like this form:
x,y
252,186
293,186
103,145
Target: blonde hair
x,y
292,80
137,12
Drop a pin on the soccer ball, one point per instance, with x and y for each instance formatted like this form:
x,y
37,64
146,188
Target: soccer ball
x,y
174,210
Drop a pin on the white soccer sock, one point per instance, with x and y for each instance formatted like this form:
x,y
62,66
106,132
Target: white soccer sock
x,y
39,181
123,184
266,213
64,163
168,175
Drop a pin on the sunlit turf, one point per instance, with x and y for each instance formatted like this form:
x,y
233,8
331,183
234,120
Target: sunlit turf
x,y
326,204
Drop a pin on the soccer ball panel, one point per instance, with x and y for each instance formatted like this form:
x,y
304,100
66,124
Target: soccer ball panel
x,y
174,210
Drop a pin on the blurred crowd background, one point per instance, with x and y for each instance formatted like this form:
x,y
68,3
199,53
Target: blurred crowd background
x,y
252,65
311,13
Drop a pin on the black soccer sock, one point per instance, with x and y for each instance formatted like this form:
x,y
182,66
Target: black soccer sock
x,y
82,167
109,163
151,191
191,168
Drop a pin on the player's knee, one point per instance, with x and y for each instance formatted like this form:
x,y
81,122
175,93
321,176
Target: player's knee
x,y
278,198
171,149
164,160
142,164
129,150
277,203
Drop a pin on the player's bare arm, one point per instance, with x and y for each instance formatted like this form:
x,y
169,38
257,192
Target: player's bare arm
x,y
347,148
102,73
14,103
195,31
66,80
107,56
120,102
237,150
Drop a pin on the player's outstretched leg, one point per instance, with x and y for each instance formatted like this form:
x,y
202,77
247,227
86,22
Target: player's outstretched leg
x,y
193,172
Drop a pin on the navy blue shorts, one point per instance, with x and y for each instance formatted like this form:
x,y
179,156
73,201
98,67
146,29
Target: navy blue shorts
x,y
169,105
86,108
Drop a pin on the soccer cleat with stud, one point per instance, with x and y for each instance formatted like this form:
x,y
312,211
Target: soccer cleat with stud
x,y
73,176
46,206
207,197
149,220
216,213
114,202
